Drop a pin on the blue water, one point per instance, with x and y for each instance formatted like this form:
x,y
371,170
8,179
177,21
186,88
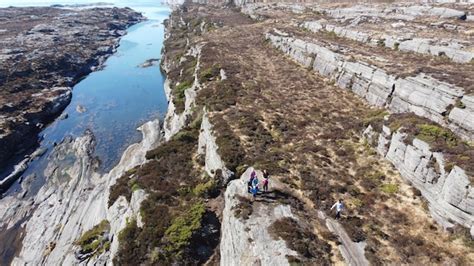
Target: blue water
x,y
118,98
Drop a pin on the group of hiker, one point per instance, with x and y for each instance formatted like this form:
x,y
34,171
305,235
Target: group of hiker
x,y
253,188
253,183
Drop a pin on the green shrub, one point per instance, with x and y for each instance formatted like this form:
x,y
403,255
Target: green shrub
x,y
433,133
460,104
94,240
209,73
135,187
185,136
205,189
181,88
179,234
396,46
389,188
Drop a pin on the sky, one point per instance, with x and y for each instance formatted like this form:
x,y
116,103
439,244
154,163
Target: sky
x,y
6,3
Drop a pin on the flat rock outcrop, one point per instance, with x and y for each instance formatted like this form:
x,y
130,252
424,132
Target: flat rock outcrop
x,y
246,241
44,52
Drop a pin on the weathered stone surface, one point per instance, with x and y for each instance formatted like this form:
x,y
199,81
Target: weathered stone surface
x,y
175,121
248,242
74,199
450,195
422,95
462,117
207,147
451,49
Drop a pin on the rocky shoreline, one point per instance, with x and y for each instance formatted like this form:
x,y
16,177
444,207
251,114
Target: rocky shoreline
x,y
45,52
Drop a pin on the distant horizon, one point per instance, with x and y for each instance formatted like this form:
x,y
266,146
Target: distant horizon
x,y
23,3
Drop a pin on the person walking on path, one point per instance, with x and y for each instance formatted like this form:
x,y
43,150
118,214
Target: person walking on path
x,y
339,205
265,180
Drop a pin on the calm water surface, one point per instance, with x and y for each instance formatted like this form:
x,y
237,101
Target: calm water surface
x,y
116,99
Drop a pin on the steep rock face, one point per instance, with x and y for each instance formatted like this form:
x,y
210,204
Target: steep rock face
x,y
397,12
208,148
175,121
248,242
422,95
74,200
449,193
452,49
462,116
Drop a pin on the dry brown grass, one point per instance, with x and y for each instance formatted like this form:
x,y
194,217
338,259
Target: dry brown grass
x,y
274,113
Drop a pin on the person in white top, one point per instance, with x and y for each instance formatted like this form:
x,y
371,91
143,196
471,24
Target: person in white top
x,y
339,207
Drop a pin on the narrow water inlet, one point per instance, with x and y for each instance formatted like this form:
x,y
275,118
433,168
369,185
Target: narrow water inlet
x,y
112,103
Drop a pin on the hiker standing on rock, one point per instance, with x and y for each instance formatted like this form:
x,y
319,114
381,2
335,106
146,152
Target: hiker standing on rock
x,y
253,175
339,205
265,180
255,186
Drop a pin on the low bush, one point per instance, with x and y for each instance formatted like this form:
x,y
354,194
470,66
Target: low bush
x,y
179,233
354,228
244,208
206,190
95,241
302,240
389,188
209,73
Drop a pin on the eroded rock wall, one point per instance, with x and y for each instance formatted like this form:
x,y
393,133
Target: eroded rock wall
x,y
421,94
449,191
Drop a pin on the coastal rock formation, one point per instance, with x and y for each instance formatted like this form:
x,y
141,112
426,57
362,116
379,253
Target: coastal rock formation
x,y
207,147
57,48
74,200
246,240
236,104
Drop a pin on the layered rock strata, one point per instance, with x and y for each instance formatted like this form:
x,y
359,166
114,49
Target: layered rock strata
x,y
449,192
421,94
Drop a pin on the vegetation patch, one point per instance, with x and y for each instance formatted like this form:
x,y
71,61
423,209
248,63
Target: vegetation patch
x,y
207,189
310,248
440,139
95,241
390,188
182,228
209,73
173,211
244,208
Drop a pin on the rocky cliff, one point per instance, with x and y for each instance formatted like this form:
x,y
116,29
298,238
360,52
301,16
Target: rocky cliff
x,y
44,52
73,201
422,94
447,189
237,105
